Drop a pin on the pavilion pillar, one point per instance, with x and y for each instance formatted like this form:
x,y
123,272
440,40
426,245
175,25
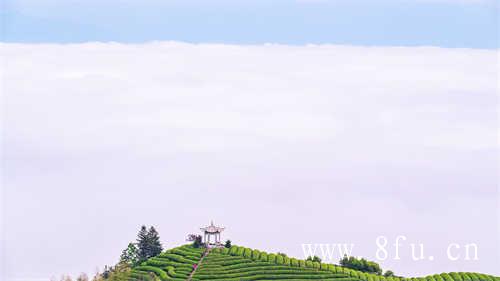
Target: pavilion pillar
x,y
212,231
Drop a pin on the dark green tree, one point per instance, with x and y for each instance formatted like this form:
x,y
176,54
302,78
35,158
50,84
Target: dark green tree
x,y
314,259
148,243
227,244
197,243
389,273
106,272
130,255
155,244
361,265
143,244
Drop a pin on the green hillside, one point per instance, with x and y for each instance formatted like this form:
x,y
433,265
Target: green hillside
x,y
174,264
244,264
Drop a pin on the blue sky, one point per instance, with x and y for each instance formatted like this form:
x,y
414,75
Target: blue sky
x,y
444,23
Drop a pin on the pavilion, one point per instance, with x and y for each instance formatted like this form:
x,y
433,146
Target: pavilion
x,y
210,231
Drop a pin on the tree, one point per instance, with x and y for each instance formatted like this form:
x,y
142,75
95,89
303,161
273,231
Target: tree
x,y
314,259
142,244
227,244
388,273
361,265
130,255
106,272
197,242
148,243
82,277
196,239
97,275
121,272
154,240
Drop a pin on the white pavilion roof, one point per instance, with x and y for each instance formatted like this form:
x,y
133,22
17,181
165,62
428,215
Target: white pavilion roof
x,y
212,228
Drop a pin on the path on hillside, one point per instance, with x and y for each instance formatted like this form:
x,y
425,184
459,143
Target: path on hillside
x,y
198,264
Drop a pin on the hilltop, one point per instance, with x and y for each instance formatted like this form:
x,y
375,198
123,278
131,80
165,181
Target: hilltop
x,y
244,264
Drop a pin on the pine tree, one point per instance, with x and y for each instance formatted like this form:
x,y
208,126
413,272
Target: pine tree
x,y
142,244
155,244
148,243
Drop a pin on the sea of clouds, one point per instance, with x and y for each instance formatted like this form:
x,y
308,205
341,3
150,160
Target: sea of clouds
x,y
297,144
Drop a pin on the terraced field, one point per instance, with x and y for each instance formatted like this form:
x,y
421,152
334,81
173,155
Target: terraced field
x,y
219,266
175,264
244,264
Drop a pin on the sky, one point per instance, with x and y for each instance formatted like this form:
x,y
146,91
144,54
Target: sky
x,y
446,23
288,123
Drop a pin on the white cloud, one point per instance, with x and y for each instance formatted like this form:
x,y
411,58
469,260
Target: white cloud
x,y
88,126
68,95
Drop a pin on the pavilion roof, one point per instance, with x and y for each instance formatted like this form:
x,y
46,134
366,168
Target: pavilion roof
x,y
212,228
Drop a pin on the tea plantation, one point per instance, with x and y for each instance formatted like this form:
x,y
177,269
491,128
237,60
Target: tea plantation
x,y
174,264
244,264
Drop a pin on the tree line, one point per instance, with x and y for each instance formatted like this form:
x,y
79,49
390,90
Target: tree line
x,y
361,264
364,266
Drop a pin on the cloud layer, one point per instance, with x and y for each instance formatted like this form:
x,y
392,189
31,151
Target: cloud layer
x,y
102,137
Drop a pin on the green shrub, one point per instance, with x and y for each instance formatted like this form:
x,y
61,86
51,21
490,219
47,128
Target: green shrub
x,y
160,273
430,278
438,277
456,276
466,277
255,254
472,276
233,250
279,259
446,277
247,253
263,256
240,251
